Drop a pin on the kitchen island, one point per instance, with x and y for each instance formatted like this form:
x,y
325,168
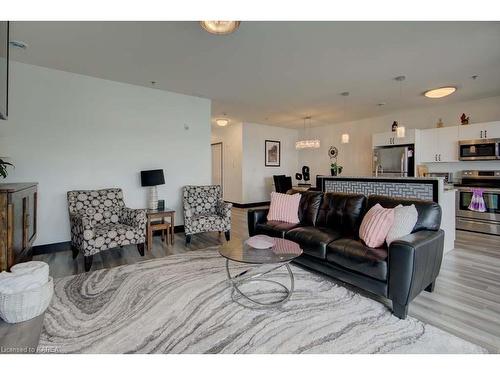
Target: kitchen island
x,y
427,188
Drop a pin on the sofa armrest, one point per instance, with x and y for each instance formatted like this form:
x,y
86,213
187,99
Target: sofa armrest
x,y
414,263
224,208
256,216
133,217
82,227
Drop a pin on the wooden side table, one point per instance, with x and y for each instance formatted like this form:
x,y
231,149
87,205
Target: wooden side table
x,y
157,221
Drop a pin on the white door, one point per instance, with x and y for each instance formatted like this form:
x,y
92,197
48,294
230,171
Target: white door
x,y
217,164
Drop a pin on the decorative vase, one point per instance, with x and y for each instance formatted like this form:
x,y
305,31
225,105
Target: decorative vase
x,y
333,171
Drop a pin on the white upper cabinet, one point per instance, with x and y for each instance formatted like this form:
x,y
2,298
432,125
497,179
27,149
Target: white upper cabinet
x,y
438,145
480,131
391,139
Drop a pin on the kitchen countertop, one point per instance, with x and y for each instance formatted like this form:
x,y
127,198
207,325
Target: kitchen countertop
x,y
385,178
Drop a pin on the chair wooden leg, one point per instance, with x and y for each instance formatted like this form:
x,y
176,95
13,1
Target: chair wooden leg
x,y
74,251
188,239
228,235
149,240
140,248
88,262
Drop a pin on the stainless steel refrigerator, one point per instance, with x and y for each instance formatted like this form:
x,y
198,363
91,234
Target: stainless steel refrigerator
x,y
394,161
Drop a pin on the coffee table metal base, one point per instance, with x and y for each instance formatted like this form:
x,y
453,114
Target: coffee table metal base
x,y
246,277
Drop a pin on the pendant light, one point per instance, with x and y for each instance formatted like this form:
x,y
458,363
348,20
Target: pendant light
x,y
307,143
345,137
400,130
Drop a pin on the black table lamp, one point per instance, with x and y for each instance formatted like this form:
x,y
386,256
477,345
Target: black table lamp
x,y
152,179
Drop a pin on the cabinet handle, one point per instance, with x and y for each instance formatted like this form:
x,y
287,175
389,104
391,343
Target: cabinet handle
x,y
481,134
486,134
435,157
439,157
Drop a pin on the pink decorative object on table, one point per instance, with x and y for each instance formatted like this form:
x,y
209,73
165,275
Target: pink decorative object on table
x,y
260,242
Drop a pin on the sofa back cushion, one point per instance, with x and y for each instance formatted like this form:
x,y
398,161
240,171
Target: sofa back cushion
x,y
429,213
201,200
102,206
342,212
310,202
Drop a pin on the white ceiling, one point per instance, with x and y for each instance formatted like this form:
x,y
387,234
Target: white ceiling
x,y
279,72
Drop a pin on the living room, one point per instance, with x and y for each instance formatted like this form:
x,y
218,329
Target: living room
x,y
294,184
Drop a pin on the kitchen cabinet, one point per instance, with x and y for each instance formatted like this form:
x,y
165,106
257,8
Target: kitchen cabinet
x,y
480,131
438,145
391,139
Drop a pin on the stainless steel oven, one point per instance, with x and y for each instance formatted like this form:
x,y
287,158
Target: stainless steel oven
x,y
479,149
484,222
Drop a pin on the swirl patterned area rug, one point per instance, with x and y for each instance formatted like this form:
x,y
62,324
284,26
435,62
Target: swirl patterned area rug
x,y
182,304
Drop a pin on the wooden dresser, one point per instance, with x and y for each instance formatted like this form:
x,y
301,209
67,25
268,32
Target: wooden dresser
x,y
18,208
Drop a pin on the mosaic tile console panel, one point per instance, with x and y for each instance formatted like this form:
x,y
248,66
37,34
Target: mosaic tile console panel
x,y
420,190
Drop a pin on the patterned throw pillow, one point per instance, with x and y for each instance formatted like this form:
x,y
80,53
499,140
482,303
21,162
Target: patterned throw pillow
x,y
405,218
284,207
376,225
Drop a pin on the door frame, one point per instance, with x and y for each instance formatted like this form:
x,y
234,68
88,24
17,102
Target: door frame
x,y
221,165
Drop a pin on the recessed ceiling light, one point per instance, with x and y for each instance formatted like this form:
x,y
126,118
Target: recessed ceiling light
x,y
222,121
220,27
381,104
440,92
18,44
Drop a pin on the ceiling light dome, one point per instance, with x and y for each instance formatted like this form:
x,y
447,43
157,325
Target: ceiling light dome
x,y
220,27
440,92
222,121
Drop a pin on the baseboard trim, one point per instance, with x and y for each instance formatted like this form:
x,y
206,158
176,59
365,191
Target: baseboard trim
x,y
250,205
66,245
52,248
179,229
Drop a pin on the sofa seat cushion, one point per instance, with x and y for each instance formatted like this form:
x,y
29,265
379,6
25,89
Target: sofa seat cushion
x,y
274,228
312,240
356,256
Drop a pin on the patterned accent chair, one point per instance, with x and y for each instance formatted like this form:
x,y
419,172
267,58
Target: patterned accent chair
x,y
205,211
100,221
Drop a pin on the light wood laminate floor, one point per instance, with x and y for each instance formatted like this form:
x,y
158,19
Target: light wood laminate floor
x,y
465,302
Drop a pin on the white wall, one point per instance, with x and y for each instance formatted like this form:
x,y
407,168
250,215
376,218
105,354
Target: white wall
x,y
356,155
257,178
68,131
246,178
232,154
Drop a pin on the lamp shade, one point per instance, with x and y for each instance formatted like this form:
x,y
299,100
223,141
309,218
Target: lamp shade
x,y
152,177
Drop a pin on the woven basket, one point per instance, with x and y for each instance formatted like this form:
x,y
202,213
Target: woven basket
x,y
18,307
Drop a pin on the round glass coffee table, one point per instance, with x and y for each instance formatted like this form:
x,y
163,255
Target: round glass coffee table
x,y
280,255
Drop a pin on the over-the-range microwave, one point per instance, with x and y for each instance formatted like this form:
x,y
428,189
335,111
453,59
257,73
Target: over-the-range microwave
x,y
479,149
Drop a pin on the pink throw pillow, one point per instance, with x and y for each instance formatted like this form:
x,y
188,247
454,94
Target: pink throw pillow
x,y
284,207
376,225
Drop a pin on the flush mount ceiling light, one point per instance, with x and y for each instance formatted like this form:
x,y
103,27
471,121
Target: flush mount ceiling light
x,y
220,27
440,92
222,121
307,143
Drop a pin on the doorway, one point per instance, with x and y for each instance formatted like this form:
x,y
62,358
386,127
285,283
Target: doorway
x,y
217,166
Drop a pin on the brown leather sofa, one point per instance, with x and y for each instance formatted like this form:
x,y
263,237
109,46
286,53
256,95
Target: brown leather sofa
x,y
328,234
